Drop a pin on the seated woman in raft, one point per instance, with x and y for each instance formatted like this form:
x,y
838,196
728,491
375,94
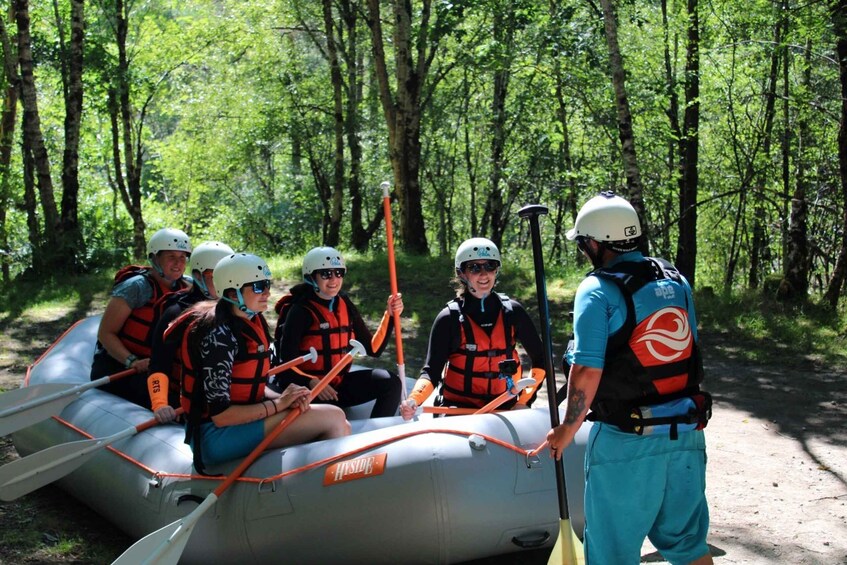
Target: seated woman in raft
x,y
228,413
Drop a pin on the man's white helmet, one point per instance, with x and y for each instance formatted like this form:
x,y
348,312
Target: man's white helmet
x,y
168,239
475,249
206,255
606,217
322,258
238,269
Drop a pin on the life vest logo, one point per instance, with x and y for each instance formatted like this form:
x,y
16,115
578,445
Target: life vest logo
x,y
354,469
662,338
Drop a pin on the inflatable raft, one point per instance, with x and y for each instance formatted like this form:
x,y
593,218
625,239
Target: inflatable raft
x,y
433,490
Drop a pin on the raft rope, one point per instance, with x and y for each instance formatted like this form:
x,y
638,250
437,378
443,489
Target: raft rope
x,y
527,454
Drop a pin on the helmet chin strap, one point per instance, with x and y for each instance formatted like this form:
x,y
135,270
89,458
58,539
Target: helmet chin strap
x,y
201,284
311,281
241,305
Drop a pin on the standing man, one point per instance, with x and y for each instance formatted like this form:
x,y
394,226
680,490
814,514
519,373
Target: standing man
x,y
636,366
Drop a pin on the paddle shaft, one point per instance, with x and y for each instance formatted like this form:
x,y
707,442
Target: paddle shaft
x,y
293,363
392,275
38,400
531,212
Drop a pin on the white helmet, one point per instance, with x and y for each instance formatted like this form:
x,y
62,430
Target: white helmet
x,y
238,269
168,239
207,254
322,258
606,217
476,248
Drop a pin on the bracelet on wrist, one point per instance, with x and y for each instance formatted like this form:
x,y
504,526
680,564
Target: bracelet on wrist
x,y
130,359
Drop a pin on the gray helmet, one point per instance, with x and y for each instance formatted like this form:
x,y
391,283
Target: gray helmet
x,y
476,248
206,255
168,239
322,258
608,218
238,269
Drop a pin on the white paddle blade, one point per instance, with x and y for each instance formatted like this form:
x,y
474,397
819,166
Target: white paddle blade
x,y
32,472
358,349
165,545
24,407
523,383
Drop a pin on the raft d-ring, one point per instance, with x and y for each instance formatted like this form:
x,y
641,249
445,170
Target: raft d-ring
x,y
532,460
263,486
477,442
155,481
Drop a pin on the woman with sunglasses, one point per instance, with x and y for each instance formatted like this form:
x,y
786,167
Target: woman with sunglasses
x,y
226,354
318,314
471,355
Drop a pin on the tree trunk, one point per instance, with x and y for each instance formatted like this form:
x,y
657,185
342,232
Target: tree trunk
x,y
35,140
496,209
7,136
839,21
127,165
336,200
759,246
403,115
625,133
686,258
796,279
72,244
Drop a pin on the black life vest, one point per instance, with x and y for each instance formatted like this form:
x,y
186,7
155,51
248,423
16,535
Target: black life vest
x,y
654,361
329,332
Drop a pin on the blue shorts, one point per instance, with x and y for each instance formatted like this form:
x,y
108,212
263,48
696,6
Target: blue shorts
x,y
218,445
644,486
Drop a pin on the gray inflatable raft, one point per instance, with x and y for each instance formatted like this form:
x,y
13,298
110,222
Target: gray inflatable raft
x,y
435,490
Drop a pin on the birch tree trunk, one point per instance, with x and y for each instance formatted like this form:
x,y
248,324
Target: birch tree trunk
x,y
7,136
625,133
47,243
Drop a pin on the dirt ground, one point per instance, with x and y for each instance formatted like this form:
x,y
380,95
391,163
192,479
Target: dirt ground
x,y
777,473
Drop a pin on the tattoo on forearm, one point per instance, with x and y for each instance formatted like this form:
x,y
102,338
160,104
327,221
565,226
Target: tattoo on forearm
x,y
576,406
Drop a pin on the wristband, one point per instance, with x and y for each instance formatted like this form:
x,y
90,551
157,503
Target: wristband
x,y
130,359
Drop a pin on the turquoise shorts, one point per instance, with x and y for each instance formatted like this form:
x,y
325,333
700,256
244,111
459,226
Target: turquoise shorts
x,y
644,487
218,445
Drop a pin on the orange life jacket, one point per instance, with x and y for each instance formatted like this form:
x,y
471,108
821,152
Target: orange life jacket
x,y
137,331
472,375
329,333
249,370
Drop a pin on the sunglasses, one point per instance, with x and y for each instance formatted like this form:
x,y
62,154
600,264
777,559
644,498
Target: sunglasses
x,y
260,286
327,274
476,268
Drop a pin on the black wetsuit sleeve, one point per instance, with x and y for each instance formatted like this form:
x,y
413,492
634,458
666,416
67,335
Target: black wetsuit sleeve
x,y
163,352
442,338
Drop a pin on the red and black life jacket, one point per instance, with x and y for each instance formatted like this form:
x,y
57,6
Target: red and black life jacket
x,y
249,369
137,331
329,333
655,360
472,374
